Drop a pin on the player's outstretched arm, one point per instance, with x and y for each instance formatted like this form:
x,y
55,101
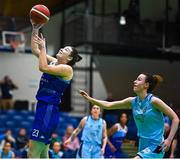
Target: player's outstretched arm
x,y
34,46
122,104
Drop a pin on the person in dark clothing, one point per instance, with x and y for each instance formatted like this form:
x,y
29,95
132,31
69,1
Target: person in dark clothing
x,y
7,86
21,139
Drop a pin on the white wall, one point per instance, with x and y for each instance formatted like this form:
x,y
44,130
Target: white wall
x,y
23,69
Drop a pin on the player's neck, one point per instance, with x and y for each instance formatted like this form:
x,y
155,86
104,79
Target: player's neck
x,y
142,95
95,117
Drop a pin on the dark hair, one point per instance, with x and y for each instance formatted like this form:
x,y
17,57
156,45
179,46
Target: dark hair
x,y
75,57
153,81
92,105
122,114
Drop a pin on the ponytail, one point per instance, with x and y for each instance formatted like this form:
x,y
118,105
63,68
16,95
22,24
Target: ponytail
x,y
158,79
75,57
153,80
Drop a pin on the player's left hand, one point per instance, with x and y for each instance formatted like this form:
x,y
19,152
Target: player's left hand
x,y
165,145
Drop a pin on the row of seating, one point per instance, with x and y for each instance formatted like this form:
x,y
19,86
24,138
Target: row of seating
x,y
14,120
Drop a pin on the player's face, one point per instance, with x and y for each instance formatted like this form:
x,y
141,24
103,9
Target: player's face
x,y
64,54
140,84
123,119
95,111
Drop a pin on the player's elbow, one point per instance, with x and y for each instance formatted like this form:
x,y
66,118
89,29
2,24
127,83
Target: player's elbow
x,y
108,106
177,120
43,68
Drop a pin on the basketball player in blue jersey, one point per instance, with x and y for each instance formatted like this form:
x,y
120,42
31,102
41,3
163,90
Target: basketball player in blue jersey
x,y
116,135
94,135
56,77
148,112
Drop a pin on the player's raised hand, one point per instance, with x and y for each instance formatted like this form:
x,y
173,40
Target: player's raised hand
x,y
36,26
84,94
41,41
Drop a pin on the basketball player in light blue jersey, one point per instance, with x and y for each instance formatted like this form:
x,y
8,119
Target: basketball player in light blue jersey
x,y
56,77
94,135
148,114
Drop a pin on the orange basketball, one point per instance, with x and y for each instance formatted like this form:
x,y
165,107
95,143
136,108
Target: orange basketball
x,y
40,14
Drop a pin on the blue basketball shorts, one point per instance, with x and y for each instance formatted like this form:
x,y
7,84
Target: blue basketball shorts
x,y
45,122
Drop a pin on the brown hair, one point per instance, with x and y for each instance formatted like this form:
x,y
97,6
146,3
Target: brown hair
x,y
153,80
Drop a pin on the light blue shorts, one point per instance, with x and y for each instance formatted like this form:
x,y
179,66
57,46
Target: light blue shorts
x,y
89,150
149,149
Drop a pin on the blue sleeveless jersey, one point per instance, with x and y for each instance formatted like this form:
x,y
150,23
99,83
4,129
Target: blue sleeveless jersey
x,y
92,131
149,120
116,139
51,89
47,110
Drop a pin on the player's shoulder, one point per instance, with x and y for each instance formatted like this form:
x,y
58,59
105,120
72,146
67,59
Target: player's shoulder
x,y
155,99
84,119
130,99
104,121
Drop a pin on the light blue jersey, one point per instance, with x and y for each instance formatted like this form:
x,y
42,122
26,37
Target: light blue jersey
x,y
8,155
150,126
91,139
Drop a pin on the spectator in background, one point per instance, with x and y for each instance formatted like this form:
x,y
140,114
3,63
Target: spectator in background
x,y
175,147
8,138
23,152
21,139
7,86
6,152
71,148
116,135
56,150
55,138
166,133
